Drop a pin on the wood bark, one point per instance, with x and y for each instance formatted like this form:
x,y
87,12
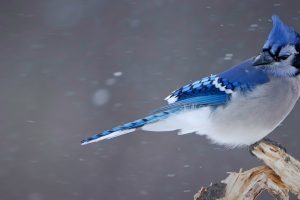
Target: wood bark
x,y
279,176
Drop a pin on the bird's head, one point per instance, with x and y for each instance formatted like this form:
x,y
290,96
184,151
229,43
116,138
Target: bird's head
x,y
280,53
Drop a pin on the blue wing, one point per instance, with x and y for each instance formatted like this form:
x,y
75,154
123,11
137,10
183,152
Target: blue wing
x,y
209,91
217,89
197,102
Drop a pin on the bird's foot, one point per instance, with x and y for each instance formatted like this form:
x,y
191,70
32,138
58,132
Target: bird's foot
x,y
268,141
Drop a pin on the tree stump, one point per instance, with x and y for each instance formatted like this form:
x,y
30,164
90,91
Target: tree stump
x,y
279,176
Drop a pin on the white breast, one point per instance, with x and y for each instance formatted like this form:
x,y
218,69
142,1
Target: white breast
x,y
244,121
249,118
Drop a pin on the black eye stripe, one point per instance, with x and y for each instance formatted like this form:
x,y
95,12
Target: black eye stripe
x,y
296,61
267,49
277,51
283,57
297,47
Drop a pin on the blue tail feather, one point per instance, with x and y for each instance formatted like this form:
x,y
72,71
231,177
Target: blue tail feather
x,y
129,127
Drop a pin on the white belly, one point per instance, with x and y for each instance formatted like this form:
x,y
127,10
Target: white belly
x,y
244,121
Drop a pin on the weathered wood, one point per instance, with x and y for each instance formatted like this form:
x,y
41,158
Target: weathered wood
x,y
283,164
247,185
279,176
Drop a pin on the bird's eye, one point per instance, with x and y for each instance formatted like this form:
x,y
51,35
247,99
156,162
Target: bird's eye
x,y
283,57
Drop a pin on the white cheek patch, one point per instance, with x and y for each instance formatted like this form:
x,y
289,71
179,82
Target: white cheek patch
x,y
288,50
284,68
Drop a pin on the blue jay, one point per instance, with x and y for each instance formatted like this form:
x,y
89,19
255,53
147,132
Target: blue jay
x,y
237,107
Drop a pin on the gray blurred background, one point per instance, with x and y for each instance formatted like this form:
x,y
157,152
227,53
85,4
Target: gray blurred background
x,y
73,68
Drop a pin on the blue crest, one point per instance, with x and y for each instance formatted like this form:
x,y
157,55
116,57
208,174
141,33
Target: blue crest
x,y
280,35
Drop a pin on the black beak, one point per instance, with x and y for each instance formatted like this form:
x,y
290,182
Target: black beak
x,y
264,58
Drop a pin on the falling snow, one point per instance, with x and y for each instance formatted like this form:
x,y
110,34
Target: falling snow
x,y
101,97
118,74
254,25
228,56
171,175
